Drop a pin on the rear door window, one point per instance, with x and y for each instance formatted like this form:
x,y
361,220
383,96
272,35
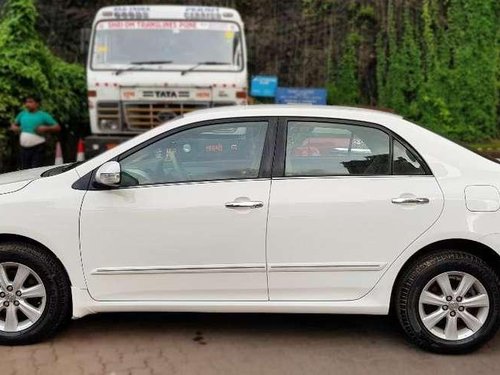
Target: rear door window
x,y
326,149
405,162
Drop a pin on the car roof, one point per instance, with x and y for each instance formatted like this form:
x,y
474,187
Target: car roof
x,y
291,110
437,151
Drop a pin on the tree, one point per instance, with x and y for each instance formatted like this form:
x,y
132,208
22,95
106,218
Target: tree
x,y
472,91
436,62
445,79
27,66
344,90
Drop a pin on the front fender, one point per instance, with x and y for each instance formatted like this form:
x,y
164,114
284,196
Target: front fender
x,y
47,211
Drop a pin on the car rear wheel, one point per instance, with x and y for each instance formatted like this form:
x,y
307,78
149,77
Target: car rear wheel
x,y
34,294
449,302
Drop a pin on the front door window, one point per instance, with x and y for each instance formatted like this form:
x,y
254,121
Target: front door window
x,y
226,151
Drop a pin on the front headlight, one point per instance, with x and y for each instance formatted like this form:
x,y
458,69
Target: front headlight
x,y
106,124
108,116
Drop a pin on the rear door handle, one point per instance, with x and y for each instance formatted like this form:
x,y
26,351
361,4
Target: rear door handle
x,y
410,200
245,204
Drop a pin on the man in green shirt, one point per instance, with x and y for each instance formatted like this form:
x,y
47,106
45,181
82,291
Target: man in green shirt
x,y
33,124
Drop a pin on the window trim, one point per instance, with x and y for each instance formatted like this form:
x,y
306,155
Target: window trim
x,y
278,170
415,154
87,182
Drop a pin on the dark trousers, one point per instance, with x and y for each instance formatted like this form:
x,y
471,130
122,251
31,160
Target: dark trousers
x,y
32,157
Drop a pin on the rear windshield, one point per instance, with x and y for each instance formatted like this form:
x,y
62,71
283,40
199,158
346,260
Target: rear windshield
x,y
463,145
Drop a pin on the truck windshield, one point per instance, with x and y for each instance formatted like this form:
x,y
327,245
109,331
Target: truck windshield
x,y
119,44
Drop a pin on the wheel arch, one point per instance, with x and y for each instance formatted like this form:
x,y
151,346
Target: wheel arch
x,y
7,237
473,247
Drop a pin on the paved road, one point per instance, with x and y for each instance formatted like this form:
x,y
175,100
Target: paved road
x,y
237,344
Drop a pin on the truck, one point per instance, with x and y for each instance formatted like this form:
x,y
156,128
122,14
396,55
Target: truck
x,y
149,64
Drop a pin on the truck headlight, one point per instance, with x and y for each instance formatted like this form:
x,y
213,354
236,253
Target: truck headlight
x,y
108,116
106,124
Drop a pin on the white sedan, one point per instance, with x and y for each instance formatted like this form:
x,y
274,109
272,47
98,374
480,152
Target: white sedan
x,y
260,209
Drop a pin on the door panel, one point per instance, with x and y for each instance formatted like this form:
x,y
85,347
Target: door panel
x,y
332,238
340,215
188,221
176,242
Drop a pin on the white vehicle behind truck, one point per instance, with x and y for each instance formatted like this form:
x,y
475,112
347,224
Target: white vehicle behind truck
x,y
148,64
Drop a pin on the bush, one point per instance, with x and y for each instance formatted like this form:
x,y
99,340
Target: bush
x,y
27,67
440,68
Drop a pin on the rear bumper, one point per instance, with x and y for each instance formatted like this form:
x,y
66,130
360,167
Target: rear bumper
x,y
97,144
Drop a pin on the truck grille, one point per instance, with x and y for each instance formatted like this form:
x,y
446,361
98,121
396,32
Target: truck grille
x,y
143,116
108,111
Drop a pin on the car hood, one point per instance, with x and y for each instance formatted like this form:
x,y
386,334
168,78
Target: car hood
x,y
13,181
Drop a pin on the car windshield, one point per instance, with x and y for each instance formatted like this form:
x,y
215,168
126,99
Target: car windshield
x,y
119,44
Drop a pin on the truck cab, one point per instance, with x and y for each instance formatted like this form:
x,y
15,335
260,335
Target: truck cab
x,y
149,64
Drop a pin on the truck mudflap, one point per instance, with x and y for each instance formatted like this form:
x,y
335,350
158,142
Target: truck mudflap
x,y
97,144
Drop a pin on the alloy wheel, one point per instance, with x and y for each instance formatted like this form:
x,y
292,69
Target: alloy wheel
x,y
22,297
454,305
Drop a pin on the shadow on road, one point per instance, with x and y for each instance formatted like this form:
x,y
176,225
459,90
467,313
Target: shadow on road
x,y
160,343
351,330
277,323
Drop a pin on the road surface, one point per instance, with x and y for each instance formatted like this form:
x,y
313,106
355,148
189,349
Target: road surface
x,y
237,344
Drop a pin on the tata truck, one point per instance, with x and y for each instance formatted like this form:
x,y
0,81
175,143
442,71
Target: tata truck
x,y
149,64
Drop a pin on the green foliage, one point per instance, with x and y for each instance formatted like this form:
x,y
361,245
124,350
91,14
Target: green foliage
x,y
389,95
344,89
443,71
3,147
436,115
27,66
366,12
343,83
437,61
403,68
312,7
472,91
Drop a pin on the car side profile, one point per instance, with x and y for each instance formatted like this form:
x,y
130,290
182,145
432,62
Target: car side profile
x,y
290,209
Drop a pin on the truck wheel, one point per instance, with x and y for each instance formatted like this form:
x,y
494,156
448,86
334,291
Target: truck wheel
x,y
449,302
35,299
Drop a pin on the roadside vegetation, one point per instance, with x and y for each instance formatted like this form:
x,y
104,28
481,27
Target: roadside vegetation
x,y
27,66
435,62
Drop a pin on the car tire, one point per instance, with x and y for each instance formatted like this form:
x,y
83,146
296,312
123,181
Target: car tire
x,y
443,320
35,295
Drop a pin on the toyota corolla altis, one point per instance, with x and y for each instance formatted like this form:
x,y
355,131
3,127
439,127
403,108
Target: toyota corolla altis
x,y
260,209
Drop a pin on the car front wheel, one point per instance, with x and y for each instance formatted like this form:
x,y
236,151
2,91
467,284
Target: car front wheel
x,y
35,296
449,302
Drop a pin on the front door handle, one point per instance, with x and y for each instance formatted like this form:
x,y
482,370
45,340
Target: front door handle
x,y
245,204
410,200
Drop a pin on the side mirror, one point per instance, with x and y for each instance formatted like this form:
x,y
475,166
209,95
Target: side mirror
x,y
109,174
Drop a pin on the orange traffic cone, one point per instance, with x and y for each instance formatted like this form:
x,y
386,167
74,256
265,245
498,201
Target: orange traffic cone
x,y
59,156
80,153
